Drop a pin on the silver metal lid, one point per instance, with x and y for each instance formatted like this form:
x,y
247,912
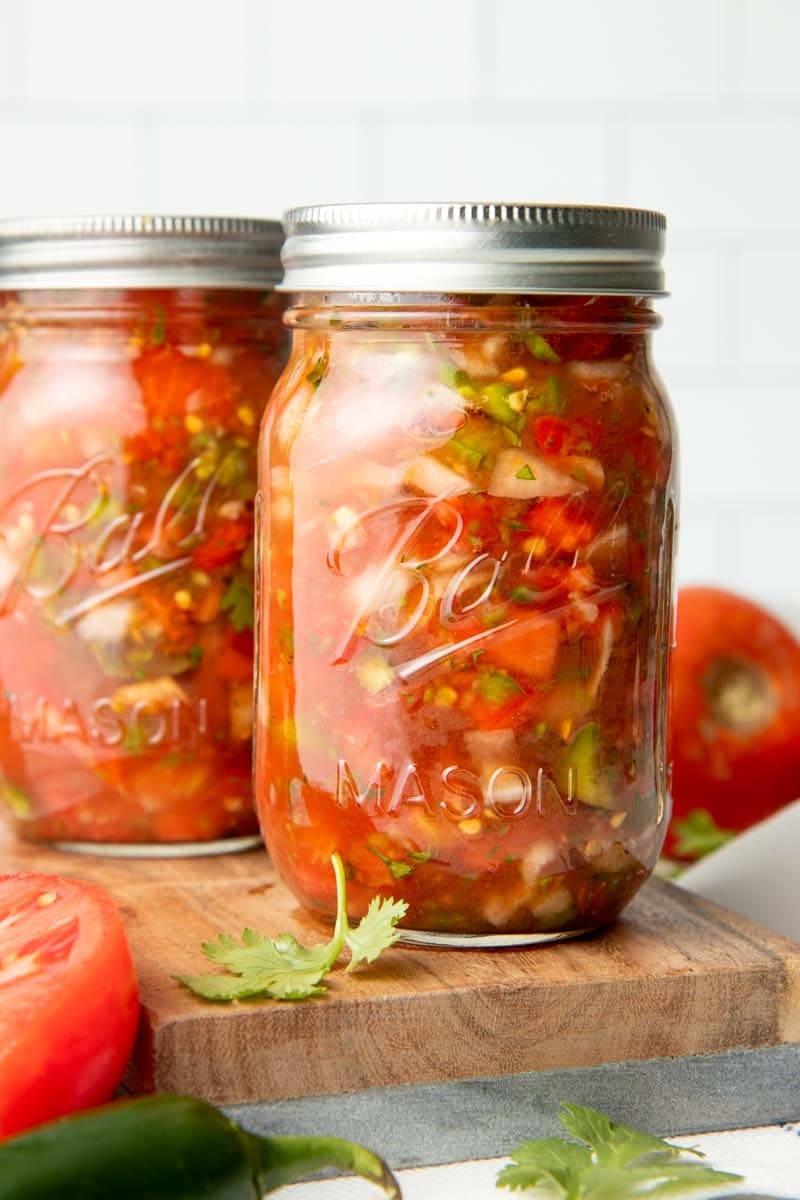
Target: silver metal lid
x,y
471,248
139,252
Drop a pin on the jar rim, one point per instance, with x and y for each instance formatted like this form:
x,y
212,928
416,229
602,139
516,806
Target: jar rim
x,y
139,251
474,247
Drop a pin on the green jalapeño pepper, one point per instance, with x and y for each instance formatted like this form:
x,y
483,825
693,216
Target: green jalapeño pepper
x,y
169,1148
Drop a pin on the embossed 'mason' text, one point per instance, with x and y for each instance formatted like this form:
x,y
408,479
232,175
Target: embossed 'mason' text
x,y
509,792
137,726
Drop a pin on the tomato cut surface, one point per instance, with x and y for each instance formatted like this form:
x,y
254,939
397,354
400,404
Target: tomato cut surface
x,y
69,1000
735,719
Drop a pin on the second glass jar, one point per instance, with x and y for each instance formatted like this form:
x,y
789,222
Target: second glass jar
x,y
129,422
467,529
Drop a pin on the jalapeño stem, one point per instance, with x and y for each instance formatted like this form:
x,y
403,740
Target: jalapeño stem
x,y
282,1160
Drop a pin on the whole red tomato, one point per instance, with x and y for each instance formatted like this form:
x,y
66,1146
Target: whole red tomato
x,y
69,1002
735,719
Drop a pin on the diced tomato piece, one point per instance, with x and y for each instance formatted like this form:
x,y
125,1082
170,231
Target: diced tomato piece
x,y
591,346
486,713
528,647
562,523
235,660
224,544
553,436
173,386
480,516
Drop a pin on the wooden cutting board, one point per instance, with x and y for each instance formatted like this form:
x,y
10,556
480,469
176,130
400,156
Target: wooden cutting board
x,y
675,976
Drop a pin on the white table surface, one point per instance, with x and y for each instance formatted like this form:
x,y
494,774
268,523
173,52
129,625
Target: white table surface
x,y
768,1158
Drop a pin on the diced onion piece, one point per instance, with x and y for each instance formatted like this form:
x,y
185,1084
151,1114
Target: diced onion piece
x,y
605,646
110,622
542,858
518,475
598,373
490,746
344,532
499,908
554,909
482,355
587,611
493,752
232,510
584,469
609,550
615,859
153,692
373,588
428,475
149,791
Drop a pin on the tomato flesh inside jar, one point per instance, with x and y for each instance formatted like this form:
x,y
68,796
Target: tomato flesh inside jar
x,y
128,425
465,578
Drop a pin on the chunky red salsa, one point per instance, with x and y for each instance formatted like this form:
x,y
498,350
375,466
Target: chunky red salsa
x,y
126,561
466,580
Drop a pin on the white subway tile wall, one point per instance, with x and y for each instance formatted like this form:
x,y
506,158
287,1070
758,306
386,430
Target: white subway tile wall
x,y
691,106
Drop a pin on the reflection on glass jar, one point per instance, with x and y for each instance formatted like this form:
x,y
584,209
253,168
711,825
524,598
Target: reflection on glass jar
x,y
465,600
128,423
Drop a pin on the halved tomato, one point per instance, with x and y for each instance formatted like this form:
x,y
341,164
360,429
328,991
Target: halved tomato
x,y
735,719
69,1001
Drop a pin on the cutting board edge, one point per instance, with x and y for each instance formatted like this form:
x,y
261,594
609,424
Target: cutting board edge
x,y
340,1054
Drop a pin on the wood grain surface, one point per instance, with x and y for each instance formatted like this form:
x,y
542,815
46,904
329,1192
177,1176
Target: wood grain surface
x,y
674,976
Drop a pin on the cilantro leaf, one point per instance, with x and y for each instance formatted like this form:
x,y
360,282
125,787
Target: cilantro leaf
x,y
548,1161
614,1145
525,472
659,1181
376,931
698,834
259,953
237,602
614,1163
398,868
259,966
285,985
281,968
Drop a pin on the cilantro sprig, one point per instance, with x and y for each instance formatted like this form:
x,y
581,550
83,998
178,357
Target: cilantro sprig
x,y
281,968
613,1162
698,834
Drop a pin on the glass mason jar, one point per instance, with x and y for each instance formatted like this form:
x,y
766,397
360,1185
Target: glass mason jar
x,y
136,358
467,516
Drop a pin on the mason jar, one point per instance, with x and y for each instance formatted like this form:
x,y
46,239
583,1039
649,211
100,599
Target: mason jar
x,y
136,358
465,557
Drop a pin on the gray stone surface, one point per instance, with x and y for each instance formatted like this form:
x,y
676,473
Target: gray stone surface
x,y
480,1118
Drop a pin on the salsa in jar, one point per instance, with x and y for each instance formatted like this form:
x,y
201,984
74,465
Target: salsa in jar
x,y
465,588
128,423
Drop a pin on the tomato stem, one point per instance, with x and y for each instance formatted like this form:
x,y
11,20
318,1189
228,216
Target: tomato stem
x,y
740,695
